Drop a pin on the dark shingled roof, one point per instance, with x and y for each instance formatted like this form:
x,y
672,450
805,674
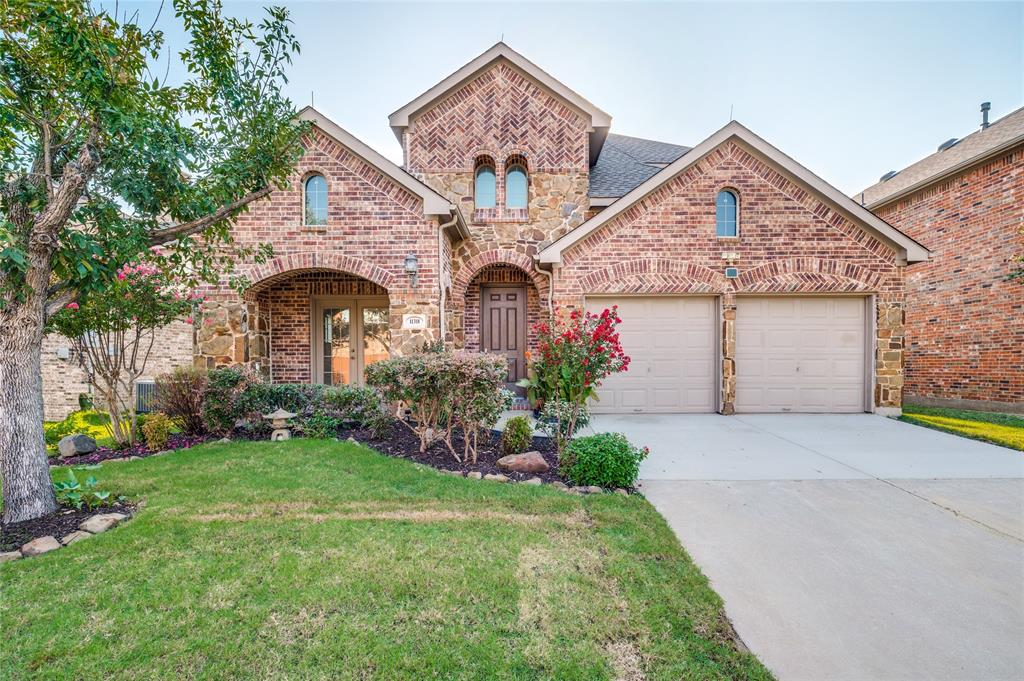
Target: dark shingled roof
x,y
626,162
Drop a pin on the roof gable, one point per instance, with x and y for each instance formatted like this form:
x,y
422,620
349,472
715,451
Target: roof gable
x,y
599,121
907,249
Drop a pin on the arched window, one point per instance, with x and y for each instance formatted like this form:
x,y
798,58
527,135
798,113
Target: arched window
x,y
485,194
516,183
726,213
315,190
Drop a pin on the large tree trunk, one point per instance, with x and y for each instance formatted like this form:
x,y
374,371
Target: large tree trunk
x,y
25,470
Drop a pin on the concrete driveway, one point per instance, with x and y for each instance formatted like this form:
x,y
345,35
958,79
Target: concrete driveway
x,y
848,546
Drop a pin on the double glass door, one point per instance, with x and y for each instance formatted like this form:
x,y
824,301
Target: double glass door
x,y
348,335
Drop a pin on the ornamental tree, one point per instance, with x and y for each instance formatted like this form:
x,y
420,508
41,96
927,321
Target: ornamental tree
x,y
101,160
112,332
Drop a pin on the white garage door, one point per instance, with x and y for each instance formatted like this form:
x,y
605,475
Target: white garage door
x,y
800,354
671,345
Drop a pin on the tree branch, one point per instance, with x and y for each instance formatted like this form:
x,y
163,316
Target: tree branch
x,y
185,229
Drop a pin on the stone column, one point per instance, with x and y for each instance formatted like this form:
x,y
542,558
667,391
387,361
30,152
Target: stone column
x,y
728,341
221,334
889,340
408,340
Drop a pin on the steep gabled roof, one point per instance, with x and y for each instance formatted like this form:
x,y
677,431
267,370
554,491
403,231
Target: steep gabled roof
x,y
908,250
626,162
599,120
433,203
1002,135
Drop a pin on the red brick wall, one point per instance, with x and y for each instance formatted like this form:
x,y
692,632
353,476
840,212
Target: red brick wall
x,y
789,242
965,321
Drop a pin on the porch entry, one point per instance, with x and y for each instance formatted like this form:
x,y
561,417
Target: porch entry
x,y
349,334
503,327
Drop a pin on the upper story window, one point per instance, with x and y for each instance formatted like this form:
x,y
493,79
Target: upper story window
x,y
485,194
315,191
516,183
726,213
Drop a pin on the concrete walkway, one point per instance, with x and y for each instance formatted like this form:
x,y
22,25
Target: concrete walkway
x,y
848,546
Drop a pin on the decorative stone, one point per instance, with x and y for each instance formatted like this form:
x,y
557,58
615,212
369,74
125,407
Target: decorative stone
x,y
279,419
558,484
39,546
528,462
594,489
102,522
224,441
622,492
496,478
533,481
9,555
474,475
77,535
73,445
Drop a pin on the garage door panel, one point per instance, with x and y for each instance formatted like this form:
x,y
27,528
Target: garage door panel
x,y
671,343
800,354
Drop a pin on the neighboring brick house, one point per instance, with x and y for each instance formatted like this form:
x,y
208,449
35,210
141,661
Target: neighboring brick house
x,y
745,282
965,316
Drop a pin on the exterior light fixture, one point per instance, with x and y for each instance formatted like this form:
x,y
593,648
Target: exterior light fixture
x,y
412,268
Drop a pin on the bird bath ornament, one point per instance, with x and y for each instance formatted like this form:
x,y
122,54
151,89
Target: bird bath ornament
x,y
279,420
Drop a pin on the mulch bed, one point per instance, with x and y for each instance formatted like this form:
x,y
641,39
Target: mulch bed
x,y
63,522
402,443
139,449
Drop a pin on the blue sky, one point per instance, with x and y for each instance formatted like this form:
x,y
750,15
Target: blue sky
x,y
849,90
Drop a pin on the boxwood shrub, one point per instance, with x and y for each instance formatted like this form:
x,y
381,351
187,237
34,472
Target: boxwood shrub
x,y
606,460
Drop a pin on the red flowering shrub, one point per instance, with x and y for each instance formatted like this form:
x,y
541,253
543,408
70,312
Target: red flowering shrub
x,y
574,355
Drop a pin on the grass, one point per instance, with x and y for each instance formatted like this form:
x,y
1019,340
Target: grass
x,y
321,559
88,422
1000,429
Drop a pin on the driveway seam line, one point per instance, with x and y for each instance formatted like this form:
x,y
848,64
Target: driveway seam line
x,y
955,513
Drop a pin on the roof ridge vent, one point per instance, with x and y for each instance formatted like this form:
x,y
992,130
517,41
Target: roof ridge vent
x,y
888,176
948,143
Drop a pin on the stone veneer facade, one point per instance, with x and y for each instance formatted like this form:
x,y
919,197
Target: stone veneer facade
x,y
965,317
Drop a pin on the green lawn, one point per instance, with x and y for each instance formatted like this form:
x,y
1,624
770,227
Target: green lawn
x,y
1001,429
312,559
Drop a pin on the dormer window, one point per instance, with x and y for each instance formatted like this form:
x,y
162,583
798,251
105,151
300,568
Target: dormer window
x,y
315,193
726,213
485,193
516,183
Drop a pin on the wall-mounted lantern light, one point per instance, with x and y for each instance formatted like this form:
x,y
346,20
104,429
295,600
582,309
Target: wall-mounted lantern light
x,y
412,268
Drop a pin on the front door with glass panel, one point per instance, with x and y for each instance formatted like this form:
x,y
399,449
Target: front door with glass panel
x,y
348,335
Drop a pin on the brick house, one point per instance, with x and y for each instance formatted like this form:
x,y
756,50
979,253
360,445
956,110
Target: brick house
x,y
965,316
745,282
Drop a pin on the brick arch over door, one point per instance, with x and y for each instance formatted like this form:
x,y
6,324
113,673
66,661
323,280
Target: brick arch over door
x,y
812,275
472,267
654,275
296,262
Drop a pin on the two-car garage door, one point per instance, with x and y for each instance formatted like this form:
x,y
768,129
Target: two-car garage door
x,y
793,354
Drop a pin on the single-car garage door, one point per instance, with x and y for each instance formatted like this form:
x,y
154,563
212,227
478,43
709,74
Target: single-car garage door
x,y
800,354
671,345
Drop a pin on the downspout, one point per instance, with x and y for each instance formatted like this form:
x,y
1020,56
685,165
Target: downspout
x,y
440,269
551,290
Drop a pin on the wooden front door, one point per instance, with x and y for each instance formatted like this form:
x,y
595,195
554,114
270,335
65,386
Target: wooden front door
x,y
503,326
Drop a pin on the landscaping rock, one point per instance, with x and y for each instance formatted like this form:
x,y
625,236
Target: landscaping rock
x,y
77,535
39,546
474,475
580,490
76,444
594,489
224,441
9,555
528,462
496,478
533,481
622,492
102,522
558,484
457,474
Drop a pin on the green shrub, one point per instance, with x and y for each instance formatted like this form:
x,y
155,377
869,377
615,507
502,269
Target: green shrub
x,y
358,405
224,387
320,426
560,420
605,460
156,430
517,436
179,394
444,390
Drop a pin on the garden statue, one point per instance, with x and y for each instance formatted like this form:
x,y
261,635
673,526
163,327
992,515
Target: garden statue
x,y
279,419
